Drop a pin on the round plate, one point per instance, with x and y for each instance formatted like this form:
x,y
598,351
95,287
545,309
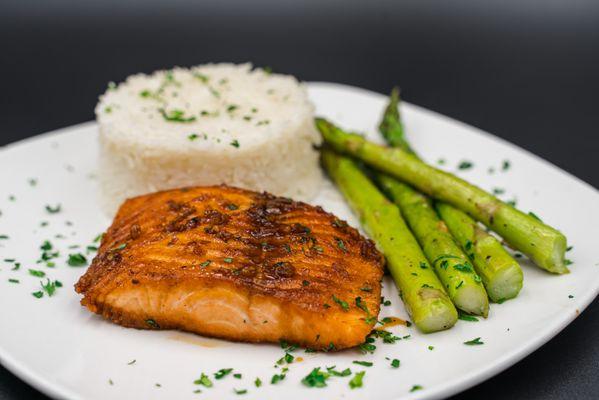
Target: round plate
x,y
63,350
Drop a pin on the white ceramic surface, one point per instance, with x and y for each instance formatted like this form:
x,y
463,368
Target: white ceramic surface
x,y
61,349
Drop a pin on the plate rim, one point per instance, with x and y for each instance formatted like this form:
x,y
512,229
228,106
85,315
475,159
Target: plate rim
x,y
442,390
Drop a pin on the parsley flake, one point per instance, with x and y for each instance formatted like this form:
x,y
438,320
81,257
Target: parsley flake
x,y
341,303
53,210
357,380
474,342
77,260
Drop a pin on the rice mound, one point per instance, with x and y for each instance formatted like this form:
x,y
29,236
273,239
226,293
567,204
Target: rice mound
x,y
210,124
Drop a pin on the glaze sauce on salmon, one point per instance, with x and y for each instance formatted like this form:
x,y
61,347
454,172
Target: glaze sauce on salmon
x,y
236,264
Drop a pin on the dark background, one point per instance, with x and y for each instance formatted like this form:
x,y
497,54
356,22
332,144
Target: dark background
x,y
527,71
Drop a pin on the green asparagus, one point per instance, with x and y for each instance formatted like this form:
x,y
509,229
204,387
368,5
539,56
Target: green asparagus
x,y
500,273
453,267
427,302
544,245
451,264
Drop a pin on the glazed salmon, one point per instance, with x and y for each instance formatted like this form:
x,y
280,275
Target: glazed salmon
x,y
235,264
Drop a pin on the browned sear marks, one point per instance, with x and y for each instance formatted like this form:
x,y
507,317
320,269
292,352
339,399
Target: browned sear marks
x,y
235,264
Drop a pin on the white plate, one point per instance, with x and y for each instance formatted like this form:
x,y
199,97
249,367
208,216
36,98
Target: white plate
x,y
63,350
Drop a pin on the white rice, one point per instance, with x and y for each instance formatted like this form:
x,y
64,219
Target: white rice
x,y
211,124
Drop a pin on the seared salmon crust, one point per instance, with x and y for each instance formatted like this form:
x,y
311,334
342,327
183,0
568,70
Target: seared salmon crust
x,y
235,264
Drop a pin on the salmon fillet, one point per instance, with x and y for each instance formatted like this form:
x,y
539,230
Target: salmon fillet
x,y
236,264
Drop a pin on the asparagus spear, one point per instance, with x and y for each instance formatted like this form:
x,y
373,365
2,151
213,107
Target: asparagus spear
x,y
500,273
453,267
451,264
544,245
425,299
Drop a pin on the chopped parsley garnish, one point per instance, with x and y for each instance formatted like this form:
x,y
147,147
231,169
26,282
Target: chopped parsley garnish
x,y
431,348
276,378
387,336
228,260
53,210
77,260
367,347
258,382
240,391
474,342
568,261
12,280
423,265
341,303
570,296
459,285
176,116
287,358
193,137
505,165
341,245
38,273
204,381
50,287
152,323
235,143
366,289
221,373
415,388
232,206
205,263
316,378
466,317
38,294
202,77
357,380
441,161
237,376
463,268
363,363
465,165
334,372
232,108
395,363
131,362
362,306
498,191
119,247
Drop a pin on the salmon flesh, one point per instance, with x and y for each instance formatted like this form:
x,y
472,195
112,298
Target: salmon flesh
x,y
236,264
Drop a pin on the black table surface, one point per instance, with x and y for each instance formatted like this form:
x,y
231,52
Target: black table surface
x,y
527,71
